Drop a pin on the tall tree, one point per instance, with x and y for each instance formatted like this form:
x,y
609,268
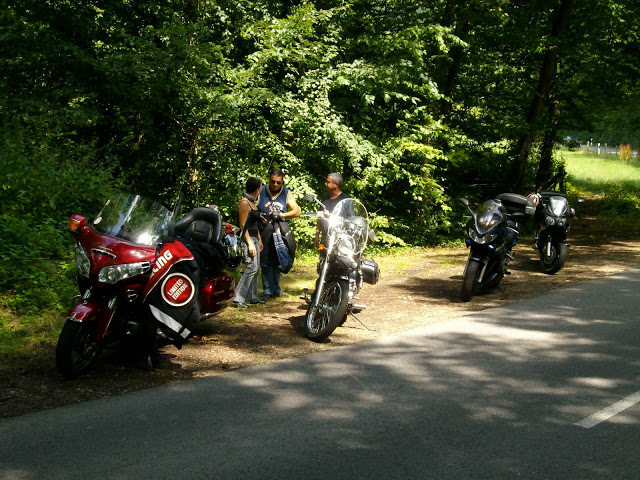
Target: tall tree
x,y
543,90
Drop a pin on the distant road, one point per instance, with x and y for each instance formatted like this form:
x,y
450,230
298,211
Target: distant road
x,y
605,149
544,388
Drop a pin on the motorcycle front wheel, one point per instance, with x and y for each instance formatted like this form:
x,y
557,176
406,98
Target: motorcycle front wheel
x,y
324,318
77,349
550,264
470,280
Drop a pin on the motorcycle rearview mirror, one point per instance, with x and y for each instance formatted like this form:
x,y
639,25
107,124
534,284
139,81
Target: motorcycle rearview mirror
x,y
465,203
310,197
371,235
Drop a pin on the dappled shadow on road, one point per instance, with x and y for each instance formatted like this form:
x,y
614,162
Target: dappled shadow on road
x,y
490,395
425,292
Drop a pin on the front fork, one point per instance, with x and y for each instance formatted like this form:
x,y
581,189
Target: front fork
x,y
320,287
88,309
485,263
549,238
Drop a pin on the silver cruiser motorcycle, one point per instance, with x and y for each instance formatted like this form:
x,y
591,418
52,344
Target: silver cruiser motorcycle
x,y
342,269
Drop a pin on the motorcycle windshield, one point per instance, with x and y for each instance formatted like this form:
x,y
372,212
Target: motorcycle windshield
x,y
488,215
135,219
557,205
349,217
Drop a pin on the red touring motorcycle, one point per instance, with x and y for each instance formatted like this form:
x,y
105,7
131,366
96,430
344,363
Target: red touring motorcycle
x,y
140,271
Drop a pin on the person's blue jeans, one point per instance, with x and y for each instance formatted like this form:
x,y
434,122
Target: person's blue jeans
x,y
247,287
271,280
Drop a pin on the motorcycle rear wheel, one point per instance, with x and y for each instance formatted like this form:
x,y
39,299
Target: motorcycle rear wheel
x,y
550,264
470,280
77,349
323,319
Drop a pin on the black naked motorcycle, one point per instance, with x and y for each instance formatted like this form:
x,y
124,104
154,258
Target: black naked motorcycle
x,y
342,269
552,224
493,231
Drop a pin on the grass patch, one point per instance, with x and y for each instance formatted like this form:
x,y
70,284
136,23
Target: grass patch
x,y
601,174
23,335
611,185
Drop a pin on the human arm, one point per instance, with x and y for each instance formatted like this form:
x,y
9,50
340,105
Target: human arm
x,y
243,215
294,209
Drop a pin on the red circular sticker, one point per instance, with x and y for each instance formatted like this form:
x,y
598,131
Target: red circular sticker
x,y
177,289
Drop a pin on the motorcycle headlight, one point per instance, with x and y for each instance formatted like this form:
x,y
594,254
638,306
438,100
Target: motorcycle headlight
x,y
82,261
562,221
345,246
550,221
481,239
116,273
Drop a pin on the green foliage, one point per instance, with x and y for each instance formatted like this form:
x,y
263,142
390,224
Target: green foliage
x,y
415,106
40,187
619,207
598,174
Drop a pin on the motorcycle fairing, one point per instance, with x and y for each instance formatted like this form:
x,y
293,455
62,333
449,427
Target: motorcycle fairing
x,y
91,310
171,294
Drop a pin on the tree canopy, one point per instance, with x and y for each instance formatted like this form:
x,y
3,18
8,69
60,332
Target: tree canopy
x,y
413,104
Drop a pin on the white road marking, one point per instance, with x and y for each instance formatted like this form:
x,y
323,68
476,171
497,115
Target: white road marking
x,y
607,413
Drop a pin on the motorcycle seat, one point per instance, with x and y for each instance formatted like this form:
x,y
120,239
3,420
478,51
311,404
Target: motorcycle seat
x,y
200,231
514,202
192,225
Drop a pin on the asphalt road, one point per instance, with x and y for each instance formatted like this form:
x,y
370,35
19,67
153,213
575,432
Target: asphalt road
x,y
546,388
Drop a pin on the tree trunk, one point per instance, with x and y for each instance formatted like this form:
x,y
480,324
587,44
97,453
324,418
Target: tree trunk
x,y
545,168
545,171
545,84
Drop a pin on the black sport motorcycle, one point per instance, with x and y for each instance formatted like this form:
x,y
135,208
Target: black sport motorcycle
x,y
342,269
552,224
493,231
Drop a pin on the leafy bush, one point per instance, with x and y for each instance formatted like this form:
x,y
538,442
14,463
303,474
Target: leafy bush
x,y
40,188
626,154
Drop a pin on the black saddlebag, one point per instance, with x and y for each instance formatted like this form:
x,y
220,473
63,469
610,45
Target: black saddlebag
x,y
370,271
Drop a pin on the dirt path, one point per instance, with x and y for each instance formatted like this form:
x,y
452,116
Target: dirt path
x,y
412,292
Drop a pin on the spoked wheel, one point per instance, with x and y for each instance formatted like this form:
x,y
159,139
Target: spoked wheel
x,y
470,280
76,349
322,320
550,264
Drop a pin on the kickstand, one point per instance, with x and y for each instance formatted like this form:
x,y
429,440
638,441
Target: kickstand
x,y
361,322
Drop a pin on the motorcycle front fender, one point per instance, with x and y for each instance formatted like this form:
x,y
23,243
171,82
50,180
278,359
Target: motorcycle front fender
x,y
555,234
92,311
478,255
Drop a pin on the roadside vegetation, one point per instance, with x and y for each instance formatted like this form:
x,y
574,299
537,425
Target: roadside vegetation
x,y
601,174
612,182
416,107
29,324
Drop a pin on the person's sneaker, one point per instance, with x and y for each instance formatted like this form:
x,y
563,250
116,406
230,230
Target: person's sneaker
x,y
281,294
235,304
259,300
266,296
